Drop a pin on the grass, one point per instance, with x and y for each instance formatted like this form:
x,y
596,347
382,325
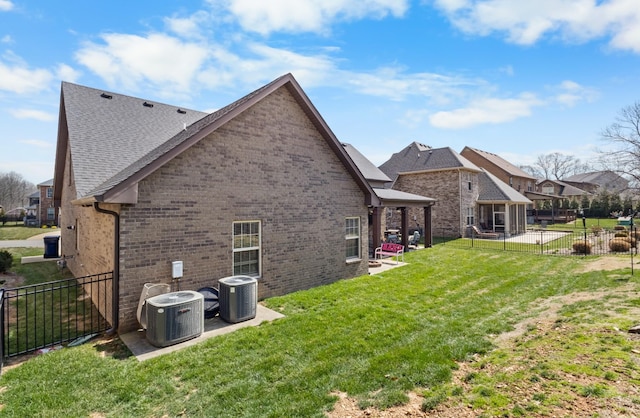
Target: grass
x,y
20,232
374,337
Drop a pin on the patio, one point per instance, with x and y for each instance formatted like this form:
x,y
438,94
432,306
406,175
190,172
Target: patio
x,y
541,236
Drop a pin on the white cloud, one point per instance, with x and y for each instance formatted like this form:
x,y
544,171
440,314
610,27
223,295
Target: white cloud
x,y
486,111
67,73
17,77
33,114
5,5
188,27
265,17
159,59
6,39
570,93
526,22
394,84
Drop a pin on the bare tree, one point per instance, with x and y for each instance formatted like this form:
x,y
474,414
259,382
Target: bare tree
x,y
556,166
14,190
624,136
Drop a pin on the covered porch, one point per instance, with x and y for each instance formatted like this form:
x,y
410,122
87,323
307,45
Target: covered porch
x,y
403,202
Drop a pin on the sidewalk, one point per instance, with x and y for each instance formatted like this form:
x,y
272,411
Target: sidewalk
x,y
36,241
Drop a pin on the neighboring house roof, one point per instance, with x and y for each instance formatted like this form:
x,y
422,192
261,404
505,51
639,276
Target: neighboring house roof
x,y
500,162
377,178
566,190
418,157
47,183
493,189
606,179
117,140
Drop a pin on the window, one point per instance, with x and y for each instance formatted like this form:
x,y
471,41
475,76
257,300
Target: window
x,y
49,192
51,214
471,219
352,237
246,248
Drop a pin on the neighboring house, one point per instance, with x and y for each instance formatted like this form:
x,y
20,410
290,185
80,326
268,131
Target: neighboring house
x,y
598,180
395,200
555,192
41,210
465,194
501,168
261,187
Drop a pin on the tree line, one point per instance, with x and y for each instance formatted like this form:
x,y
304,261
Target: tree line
x,y
14,191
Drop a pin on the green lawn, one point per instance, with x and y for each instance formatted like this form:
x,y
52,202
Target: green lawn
x,y
19,232
374,337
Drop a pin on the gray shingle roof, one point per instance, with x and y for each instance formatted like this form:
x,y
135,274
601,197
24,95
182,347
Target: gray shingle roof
x,y
366,167
117,140
105,126
492,189
502,163
419,157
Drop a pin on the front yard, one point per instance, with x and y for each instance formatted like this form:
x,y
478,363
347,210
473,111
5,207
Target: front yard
x,y
457,332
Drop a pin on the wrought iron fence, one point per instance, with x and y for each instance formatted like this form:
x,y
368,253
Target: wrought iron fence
x,y
56,312
547,241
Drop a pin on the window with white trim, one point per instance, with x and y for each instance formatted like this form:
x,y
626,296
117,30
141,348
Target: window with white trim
x,y
246,248
471,218
51,214
352,238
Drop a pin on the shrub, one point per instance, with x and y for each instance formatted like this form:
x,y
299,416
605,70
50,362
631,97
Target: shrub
x,y
621,234
619,245
6,260
582,247
620,228
596,229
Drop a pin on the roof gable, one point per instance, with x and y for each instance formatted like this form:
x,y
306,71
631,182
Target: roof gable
x,y
492,189
418,157
498,161
169,141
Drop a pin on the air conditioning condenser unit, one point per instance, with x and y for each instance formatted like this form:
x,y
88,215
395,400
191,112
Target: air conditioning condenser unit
x,y
238,297
174,317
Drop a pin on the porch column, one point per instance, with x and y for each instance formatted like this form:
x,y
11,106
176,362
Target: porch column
x,y
428,237
405,227
376,233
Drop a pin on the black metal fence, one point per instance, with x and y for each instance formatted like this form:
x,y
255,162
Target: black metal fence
x,y
547,241
43,315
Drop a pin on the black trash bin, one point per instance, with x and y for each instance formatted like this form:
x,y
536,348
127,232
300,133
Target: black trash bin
x,y
51,246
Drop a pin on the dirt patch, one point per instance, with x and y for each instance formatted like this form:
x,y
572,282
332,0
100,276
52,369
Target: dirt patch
x,y
608,263
10,280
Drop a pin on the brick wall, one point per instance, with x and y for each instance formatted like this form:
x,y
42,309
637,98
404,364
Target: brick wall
x,y
269,164
450,188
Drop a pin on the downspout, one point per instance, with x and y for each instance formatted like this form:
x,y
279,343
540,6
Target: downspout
x,y
115,287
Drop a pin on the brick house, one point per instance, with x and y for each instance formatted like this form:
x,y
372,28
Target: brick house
x,y
392,201
465,194
501,168
261,187
41,209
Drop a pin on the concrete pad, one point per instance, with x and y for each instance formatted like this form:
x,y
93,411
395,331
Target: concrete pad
x,y
143,350
37,259
385,265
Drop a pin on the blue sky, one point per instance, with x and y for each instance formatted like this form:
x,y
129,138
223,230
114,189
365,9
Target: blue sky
x,y
516,78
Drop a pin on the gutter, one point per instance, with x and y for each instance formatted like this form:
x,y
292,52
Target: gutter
x,y
115,290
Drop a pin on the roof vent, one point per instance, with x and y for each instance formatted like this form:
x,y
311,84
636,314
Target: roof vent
x,y
106,96
182,111
147,104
